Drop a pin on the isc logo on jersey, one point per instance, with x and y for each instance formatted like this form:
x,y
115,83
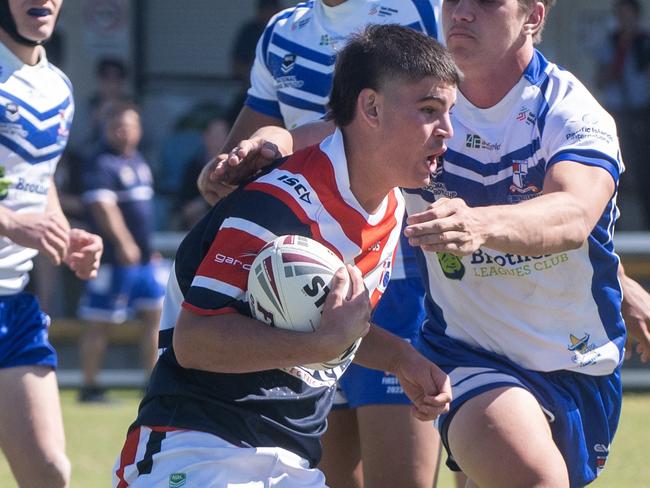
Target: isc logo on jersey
x,y
288,285
301,190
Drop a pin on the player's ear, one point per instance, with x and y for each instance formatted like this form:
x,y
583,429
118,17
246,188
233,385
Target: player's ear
x,y
535,19
368,106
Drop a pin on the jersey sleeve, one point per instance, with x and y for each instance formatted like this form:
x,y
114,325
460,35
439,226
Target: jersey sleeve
x,y
262,95
100,183
578,129
220,282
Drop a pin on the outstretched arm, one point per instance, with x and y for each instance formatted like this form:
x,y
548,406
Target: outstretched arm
x,y
561,219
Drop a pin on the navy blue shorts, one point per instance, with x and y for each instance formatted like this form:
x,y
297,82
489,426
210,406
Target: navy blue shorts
x,y
24,333
583,410
120,291
400,311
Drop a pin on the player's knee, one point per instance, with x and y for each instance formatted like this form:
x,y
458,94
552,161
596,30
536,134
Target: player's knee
x,y
553,475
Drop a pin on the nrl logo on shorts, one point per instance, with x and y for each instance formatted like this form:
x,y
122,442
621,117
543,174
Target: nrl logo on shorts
x,y
177,479
288,62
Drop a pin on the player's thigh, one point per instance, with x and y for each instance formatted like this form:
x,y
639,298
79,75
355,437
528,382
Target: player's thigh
x,y
31,426
396,448
502,438
341,461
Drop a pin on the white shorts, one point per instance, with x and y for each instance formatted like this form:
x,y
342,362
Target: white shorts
x,y
163,458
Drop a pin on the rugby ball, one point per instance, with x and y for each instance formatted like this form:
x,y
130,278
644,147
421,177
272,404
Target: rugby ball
x,y
288,283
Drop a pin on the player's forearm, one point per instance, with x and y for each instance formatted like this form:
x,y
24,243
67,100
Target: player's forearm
x,y
111,224
381,350
53,202
7,221
548,224
234,343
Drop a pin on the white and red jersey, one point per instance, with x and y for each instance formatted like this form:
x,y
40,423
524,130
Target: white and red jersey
x,y
305,194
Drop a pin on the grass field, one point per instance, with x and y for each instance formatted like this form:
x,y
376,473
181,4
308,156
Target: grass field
x,y
95,434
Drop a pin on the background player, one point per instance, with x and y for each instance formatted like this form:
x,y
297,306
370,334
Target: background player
x,y
233,378
290,85
37,110
118,192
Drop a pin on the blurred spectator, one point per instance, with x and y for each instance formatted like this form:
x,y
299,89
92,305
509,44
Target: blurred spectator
x,y
624,81
118,193
111,77
243,51
242,54
190,205
179,151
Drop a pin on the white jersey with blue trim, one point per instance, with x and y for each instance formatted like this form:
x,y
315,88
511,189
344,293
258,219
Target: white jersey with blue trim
x,y
36,109
558,311
294,61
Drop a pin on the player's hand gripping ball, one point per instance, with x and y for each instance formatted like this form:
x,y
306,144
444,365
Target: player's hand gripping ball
x,y
287,286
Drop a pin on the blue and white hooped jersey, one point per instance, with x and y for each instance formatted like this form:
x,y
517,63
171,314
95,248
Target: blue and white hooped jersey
x,y
294,62
36,109
558,311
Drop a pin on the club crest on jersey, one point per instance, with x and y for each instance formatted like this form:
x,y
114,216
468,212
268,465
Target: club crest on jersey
x,y
127,176
11,112
288,62
63,131
520,185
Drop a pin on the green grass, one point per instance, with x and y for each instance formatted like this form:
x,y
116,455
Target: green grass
x,y
95,434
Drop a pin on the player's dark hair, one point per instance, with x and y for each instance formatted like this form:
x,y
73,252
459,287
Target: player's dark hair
x,y
111,66
380,53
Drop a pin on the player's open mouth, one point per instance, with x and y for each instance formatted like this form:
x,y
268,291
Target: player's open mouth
x,y
39,12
